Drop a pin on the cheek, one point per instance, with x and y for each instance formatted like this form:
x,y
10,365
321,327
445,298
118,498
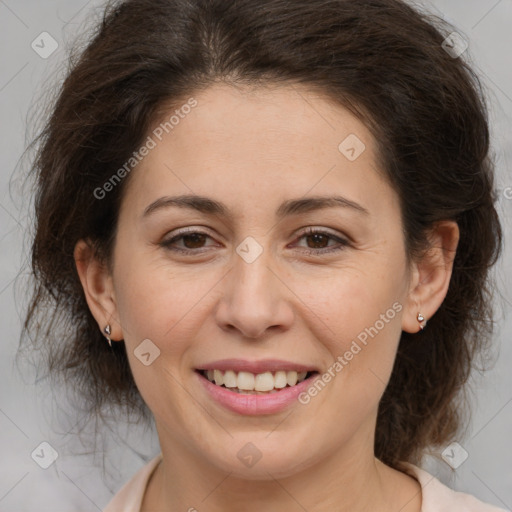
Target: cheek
x,y
356,314
345,302
155,305
362,339
154,302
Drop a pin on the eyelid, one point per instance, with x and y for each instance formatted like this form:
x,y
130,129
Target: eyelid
x,y
199,229
318,229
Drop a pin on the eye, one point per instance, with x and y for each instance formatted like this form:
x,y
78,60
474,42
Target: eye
x,y
191,239
318,240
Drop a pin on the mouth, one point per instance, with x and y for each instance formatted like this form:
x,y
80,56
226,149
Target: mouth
x,y
248,383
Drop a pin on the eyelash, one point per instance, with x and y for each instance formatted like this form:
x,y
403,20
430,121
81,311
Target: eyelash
x,y
167,244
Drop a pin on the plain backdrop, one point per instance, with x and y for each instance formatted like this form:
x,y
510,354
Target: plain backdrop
x,y
31,415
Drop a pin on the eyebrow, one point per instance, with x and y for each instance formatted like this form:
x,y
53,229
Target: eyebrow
x,y
209,206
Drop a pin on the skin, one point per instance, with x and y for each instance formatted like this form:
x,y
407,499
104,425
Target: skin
x,y
252,149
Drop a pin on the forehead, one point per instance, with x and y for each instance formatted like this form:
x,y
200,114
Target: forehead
x,y
226,113
248,141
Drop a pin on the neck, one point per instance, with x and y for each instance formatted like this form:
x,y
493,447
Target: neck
x,y
346,480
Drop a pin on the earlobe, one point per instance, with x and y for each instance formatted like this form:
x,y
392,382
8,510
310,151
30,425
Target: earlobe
x,y
421,320
432,276
98,289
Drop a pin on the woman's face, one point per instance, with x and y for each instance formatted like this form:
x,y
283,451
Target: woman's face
x,y
254,293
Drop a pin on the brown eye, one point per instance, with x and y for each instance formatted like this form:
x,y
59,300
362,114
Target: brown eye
x,y
194,241
189,242
317,242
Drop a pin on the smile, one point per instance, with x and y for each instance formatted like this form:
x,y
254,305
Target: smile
x,y
249,383
255,388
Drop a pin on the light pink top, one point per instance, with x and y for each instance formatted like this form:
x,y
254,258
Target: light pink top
x,y
436,496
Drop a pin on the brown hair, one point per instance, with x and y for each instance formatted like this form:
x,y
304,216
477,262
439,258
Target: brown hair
x,y
384,61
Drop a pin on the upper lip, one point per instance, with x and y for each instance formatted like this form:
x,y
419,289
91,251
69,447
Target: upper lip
x,y
256,367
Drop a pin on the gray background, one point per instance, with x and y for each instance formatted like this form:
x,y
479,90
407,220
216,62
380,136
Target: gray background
x,y
29,414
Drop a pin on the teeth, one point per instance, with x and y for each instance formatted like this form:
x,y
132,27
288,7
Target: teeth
x,y
280,380
253,384
291,378
245,381
217,376
264,382
230,379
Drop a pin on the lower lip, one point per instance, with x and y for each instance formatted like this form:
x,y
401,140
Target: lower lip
x,y
255,404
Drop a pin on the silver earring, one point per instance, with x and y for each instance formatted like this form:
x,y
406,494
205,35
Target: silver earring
x,y
420,319
108,331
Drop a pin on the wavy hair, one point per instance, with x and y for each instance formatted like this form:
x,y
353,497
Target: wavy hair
x,y
382,59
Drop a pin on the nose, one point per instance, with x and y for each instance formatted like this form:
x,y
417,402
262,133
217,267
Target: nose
x,y
255,299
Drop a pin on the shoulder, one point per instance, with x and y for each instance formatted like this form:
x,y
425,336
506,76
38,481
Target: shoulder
x,y
437,497
129,498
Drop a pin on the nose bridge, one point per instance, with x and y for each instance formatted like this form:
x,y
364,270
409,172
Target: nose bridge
x,y
252,280
254,300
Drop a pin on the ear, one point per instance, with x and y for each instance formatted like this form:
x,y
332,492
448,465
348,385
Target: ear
x,y
98,288
431,275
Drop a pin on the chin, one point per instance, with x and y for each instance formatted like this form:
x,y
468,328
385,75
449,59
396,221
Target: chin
x,y
261,459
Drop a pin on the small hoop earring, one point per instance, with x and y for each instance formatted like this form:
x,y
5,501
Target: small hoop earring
x,y
108,331
421,318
